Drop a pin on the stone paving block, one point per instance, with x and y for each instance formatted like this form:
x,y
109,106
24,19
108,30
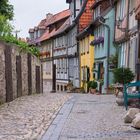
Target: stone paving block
x,y
94,117
27,118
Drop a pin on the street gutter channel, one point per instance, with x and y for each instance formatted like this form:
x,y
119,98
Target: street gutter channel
x,y
54,130
99,135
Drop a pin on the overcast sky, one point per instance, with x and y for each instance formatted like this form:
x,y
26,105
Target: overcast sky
x,y
28,13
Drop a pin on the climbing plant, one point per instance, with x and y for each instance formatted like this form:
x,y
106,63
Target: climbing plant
x,y
21,44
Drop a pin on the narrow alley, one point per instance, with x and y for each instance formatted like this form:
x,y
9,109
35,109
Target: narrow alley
x,y
91,117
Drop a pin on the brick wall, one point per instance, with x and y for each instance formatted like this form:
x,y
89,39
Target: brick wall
x,y
14,73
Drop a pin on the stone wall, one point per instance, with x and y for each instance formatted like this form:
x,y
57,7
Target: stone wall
x,y
2,75
22,88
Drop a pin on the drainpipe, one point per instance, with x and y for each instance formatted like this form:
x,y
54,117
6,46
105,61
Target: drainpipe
x,y
127,33
108,52
74,8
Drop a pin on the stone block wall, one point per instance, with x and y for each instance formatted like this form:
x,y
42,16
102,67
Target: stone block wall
x,y
2,75
17,89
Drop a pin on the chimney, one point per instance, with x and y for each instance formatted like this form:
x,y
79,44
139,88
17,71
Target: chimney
x,y
48,16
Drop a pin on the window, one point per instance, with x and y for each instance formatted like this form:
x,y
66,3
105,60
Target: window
x,y
57,87
48,68
84,46
132,5
61,88
121,9
132,54
82,74
100,71
81,1
81,47
61,65
65,88
65,65
58,66
123,54
97,12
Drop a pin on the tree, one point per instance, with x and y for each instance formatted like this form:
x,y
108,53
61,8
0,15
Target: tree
x,y
123,75
5,26
6,9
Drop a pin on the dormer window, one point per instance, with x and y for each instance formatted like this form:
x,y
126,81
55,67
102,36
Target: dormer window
x,y
31,35
97,12
51,28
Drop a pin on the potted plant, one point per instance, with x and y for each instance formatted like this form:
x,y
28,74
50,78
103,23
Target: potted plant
x,y
92,85
122,76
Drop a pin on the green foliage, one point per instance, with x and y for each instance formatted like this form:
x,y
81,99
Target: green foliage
x,y
114,60
123,75
6,14
5,26
22,45
101,81
92,84
6,9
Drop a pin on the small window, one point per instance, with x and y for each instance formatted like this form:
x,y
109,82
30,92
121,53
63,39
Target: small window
x,y
61,88
57,87
65,88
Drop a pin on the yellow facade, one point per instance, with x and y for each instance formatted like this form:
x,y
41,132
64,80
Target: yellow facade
x,y
86,61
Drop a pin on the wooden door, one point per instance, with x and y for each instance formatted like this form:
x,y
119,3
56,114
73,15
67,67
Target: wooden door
x,y
38,86
8,74
19,76
29,59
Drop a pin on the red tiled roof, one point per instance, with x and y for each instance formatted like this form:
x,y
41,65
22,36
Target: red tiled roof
x,y
59,16
63,15
86,17
42,23
55,32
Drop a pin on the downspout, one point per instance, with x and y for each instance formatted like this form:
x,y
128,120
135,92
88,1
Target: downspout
x,y
74,8
108,52
79,60
127,32
138,59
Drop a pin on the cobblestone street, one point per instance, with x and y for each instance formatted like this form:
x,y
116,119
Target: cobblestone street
x,y
91,117
27,118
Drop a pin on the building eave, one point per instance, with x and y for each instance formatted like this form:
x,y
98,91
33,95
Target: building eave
x,y
96,3
85,32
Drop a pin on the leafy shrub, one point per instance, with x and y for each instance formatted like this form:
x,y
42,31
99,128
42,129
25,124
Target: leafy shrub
x,y
123,75
22,45
92,84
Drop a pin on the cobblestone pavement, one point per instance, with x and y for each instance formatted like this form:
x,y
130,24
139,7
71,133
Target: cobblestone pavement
x,y
27,118
91,117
